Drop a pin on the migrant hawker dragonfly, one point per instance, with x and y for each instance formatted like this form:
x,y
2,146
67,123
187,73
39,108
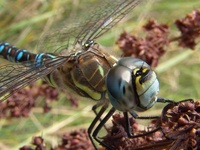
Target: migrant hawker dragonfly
x,y
80,64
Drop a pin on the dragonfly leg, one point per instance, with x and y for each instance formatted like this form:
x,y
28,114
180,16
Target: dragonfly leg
x,y
165,118
164,100
128,125
94,109
142,117
96,119
101,124
161,100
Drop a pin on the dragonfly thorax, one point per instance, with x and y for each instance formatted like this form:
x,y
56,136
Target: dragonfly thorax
x,y
88,44
78,48
85,72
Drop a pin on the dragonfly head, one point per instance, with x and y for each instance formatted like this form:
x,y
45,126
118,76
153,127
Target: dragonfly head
x,y
132,85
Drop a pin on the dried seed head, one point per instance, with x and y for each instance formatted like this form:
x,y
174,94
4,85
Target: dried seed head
x,y
189,28
149,49
182,126
75,140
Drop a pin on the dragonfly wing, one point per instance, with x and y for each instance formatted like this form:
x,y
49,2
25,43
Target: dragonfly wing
x,y
14,77
90,24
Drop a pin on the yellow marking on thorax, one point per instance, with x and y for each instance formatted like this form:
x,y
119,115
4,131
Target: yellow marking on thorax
x,y
93,94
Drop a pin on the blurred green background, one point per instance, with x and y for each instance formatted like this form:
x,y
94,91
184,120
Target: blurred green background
x,y
22,23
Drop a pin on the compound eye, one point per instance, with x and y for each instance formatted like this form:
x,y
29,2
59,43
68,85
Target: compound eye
x,y
117,81
121,86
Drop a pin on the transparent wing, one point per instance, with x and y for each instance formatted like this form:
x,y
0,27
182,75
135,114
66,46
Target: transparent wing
x,y
93,22
14,77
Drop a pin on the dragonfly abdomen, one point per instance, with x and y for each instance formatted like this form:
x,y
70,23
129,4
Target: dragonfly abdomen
x,y
14,54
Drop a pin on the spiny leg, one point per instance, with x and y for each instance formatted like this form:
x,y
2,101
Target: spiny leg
x,y
96,119
143,117
171,103
164,100
101,124
94,109
128,125
161,100
164,117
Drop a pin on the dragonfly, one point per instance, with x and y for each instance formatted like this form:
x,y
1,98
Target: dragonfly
x,y
80,64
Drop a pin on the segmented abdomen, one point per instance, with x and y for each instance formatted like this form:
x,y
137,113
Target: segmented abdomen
x,y
14,54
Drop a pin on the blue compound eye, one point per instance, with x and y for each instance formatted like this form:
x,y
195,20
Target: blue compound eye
x,y
117,81
119,87
132,85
